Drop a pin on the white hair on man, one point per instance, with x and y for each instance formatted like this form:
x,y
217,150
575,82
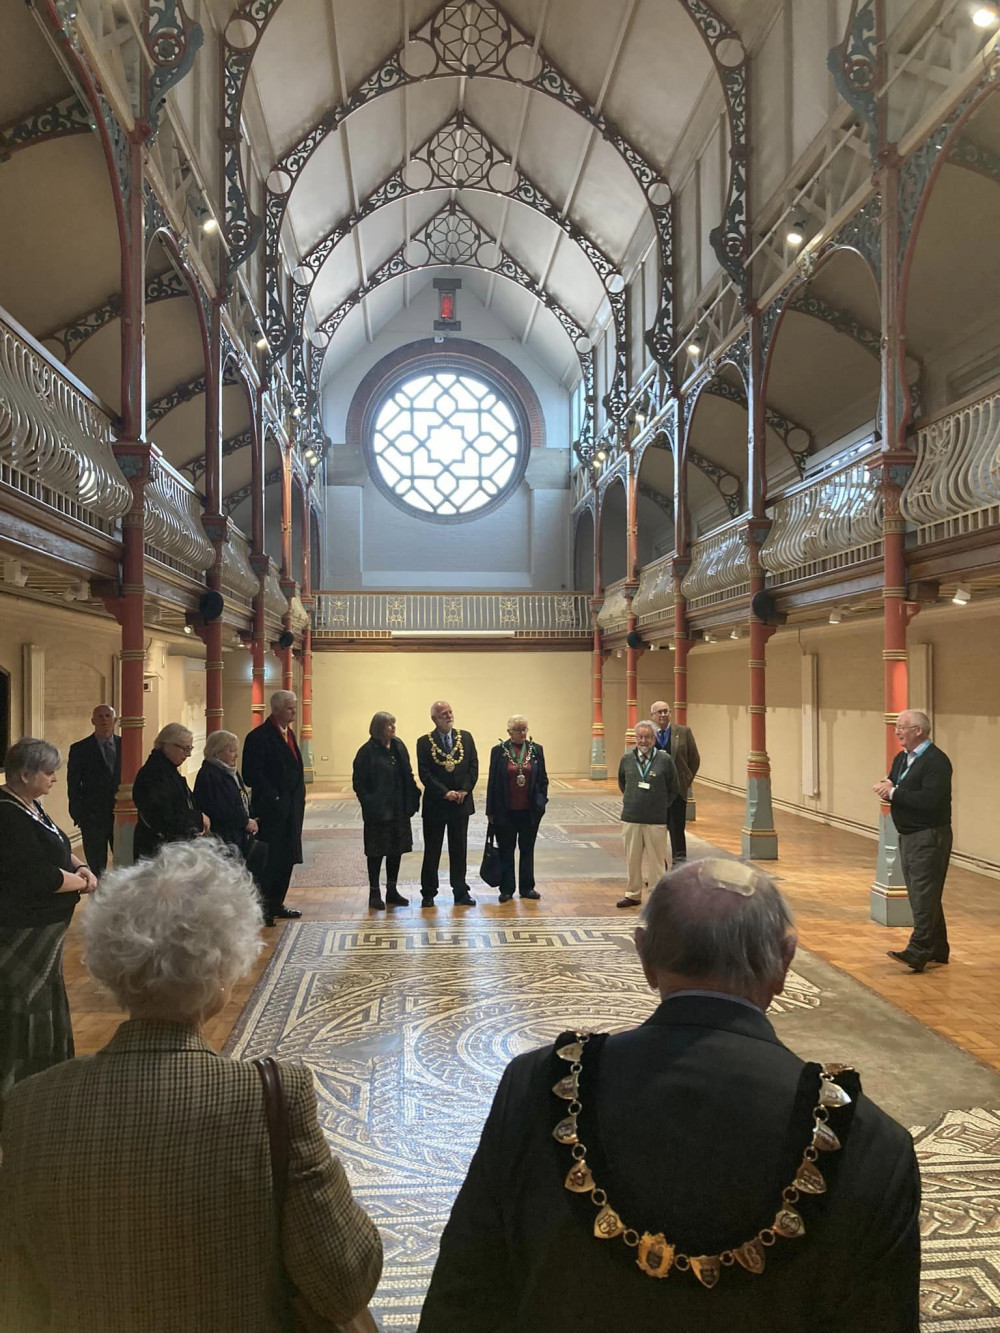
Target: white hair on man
x,y
174,733
917,719
281,697
516,720
720,920
167,934
219,741
644,725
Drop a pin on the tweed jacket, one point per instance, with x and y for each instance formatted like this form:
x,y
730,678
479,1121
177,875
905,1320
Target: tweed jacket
x,y
684,753
135,1196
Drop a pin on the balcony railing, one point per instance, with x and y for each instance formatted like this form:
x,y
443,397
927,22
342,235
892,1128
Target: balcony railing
x,y
383,614
238,577
275,601
613,615
719,570
654,601
173,532
827,522
55,438
955,486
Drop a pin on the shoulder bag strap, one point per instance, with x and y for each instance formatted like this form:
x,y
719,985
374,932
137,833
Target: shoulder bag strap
x,y
277,1136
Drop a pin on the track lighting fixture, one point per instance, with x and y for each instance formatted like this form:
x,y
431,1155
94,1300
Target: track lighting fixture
x,y
694,349
963,595
985,16
210,225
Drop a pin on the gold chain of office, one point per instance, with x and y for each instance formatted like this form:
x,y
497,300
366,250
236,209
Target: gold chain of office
x,y
449,762
656,1256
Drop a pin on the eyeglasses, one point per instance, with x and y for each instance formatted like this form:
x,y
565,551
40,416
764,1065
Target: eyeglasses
x,y
184,749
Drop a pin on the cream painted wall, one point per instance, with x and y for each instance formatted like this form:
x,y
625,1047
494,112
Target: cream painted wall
x,y
551,689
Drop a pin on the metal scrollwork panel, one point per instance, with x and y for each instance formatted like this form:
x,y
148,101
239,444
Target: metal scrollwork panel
x,y
172,41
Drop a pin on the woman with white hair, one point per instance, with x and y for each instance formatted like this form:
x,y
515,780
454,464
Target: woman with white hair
x,y
517,792
221,795
41,880
136,1185
167,812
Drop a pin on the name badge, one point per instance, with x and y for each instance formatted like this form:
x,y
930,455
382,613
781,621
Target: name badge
x,y
644,786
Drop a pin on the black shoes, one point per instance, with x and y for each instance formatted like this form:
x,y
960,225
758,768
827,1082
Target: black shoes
x,y
531,893
287,913
464,899
375,901
628,902
394,898
506,897
427,899
269,921
911,960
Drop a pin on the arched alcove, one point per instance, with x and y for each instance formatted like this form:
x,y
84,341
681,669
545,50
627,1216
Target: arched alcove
x,y
717,453
583,552
614,533
655,507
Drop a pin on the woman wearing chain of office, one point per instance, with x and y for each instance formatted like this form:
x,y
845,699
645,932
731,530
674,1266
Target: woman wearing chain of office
x,y
516,795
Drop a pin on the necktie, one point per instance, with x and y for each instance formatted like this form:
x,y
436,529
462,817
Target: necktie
x,y
663,738
108,746
448,742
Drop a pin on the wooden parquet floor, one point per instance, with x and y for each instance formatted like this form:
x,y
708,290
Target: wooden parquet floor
x,y
824,872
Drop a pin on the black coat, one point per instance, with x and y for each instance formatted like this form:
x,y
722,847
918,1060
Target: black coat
x,y
167,812
436,779
273,771
90,785
34,857
386,789
497,790
923,799
703,1122
217,795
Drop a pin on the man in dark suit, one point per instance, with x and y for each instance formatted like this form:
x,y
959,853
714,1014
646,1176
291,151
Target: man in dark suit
x,y
696,1148
93,773
918,790
680,743
272,768
449,769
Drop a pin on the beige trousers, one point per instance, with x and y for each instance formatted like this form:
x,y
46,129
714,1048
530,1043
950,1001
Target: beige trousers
x,y
649,841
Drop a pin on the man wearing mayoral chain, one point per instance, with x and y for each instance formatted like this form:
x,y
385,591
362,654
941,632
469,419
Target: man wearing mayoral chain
x,y
449,769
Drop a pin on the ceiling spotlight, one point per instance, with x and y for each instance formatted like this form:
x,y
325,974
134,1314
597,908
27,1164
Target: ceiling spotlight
x,y
708,636
694,349
188,629
796,232
210,225
963,595
601,455
670,647
261,341
734,634
835,616
984,16
296,411
618,652
654,647
640,420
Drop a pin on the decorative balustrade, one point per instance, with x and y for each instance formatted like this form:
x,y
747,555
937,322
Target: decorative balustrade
x,y
275,601
655,599
827,522
173,532
955,485
613,615
238,577
55,438
719,570
383,614
299,617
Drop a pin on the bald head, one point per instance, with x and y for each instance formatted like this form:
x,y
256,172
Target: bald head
x,y
442,715
717,925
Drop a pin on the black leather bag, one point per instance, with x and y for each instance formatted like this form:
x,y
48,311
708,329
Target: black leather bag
x,y
489,871
256,857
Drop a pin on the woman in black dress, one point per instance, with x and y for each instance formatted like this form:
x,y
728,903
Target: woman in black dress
x,y
383,783
40,884
517,792
167,812
220,794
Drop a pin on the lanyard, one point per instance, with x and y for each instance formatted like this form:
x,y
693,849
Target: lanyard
x,y
644,772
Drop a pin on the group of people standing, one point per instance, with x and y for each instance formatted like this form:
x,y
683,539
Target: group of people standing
x,y
448,767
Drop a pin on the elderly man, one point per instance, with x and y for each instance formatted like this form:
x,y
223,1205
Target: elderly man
x,y
93,772
272,768
918,791
647,779
449,769
679,743
695,1148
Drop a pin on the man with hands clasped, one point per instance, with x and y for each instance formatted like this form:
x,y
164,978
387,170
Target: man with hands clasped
x,y
449,769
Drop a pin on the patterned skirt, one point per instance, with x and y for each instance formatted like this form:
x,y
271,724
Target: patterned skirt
x,y
391,837
35,1030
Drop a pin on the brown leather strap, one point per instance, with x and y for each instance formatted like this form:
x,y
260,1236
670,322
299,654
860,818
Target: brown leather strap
x,y
276,1112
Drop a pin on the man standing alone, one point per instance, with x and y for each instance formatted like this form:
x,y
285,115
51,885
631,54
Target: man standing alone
x,y
679,743
647,780
272,768
918,791
93,772
449,769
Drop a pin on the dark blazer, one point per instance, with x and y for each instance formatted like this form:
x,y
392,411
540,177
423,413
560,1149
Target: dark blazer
x,y
90,786
34,857
497,790
684,753
701,1116
167,812
437,780
923,799
217,795
386,791
273,771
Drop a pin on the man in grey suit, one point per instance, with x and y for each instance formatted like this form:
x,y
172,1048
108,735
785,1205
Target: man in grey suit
x,y
679,742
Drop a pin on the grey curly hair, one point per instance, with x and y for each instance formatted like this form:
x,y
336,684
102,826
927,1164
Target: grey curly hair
x,y
168,933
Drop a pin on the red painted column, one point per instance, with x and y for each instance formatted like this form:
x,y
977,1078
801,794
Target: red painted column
x,y
760,841
260,564
631,588
305,710
288,585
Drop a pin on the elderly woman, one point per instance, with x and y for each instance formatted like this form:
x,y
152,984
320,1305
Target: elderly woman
x,y
40,884
136,1187
167,812
383,783
517,791
220,794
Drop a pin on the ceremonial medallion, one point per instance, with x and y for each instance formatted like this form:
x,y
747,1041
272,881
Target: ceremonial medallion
x,y
706,1268
449,765
656,1255
607,1224
751,1256
521,779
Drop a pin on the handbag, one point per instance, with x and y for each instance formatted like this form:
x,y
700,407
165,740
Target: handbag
x,y
255,856
489,871
293,1313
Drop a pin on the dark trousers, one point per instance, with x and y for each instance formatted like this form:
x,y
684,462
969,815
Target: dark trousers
x,y
458,839
391,871
677,813
276,877
97,839
924,859
519,829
